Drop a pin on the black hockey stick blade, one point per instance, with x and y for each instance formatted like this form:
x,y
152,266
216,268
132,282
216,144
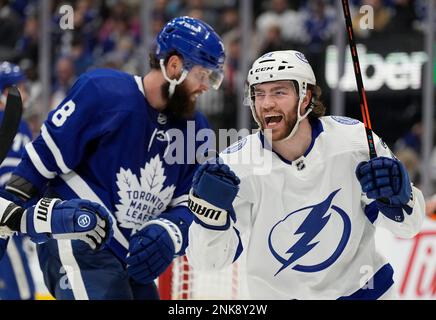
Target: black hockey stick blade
x,y
11,121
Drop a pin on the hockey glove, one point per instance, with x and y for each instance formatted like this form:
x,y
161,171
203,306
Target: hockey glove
x,y
214,187
387,181
75,219
152,249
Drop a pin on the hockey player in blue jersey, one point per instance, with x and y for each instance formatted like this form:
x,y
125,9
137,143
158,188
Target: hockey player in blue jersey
x,y
109,141
15,274
311,219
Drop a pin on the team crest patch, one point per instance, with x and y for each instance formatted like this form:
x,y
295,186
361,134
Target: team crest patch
x,y
312,238
301,57
345,120
235,147
145,198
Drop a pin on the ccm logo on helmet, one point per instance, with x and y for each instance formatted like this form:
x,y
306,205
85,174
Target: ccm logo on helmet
x,y
263,69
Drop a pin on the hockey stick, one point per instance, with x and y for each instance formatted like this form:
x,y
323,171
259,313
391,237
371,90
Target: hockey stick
x,y
11,121
360,88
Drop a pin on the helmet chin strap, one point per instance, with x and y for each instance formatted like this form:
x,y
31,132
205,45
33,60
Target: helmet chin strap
x,y
299,119
303,93
173,82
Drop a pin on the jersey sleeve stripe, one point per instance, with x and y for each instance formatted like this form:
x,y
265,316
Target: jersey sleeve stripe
x,y
54,150
84,191
10,162
37,162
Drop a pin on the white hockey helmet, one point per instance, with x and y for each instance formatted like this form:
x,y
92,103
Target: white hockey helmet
x,y
281,65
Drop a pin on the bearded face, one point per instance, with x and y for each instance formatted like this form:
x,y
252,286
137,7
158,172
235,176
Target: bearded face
x,y
181,105
276,108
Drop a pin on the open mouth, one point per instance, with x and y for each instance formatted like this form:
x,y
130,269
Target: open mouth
x,y
273,120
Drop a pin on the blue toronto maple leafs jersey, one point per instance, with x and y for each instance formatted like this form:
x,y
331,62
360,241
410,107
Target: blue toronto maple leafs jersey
x,y
13,157
106,143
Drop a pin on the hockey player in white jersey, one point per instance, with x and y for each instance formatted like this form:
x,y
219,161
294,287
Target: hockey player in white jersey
x,y
311,219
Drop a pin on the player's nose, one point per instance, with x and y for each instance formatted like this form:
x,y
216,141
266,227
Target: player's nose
x,y
268,103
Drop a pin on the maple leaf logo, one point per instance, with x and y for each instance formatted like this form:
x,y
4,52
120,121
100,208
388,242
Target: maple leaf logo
x,y
144,199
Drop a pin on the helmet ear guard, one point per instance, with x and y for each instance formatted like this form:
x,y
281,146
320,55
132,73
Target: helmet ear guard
x,y
277,66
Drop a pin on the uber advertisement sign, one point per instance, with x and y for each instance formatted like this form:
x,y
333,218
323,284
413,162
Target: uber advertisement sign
x,y
388,63
393,69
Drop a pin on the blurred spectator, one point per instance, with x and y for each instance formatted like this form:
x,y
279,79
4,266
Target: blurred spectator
x,y
408,150
404,17
199,9
232,76
83,59
157,23
290,22
411,161
27,45
273,40
430,207
122,57
10,31
195,13
319,24
33,108
382,17
115,27
65,77
229,20
411,139
160,10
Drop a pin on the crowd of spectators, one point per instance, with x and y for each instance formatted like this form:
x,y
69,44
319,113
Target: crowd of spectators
x,y
107,33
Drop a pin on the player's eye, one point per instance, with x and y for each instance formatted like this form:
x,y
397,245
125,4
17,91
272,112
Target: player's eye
x,y
280,93
259,94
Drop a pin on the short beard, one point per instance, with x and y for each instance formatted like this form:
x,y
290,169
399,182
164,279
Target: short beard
x,y
179,106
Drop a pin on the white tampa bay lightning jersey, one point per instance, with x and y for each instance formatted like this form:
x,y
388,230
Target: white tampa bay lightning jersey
x,y
106,143
311,229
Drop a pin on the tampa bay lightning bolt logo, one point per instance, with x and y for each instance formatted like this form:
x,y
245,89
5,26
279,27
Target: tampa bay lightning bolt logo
x,y
301,57
236,147
316,219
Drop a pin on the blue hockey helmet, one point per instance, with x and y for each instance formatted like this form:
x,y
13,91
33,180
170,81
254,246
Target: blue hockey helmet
x,y
198,44
10,74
